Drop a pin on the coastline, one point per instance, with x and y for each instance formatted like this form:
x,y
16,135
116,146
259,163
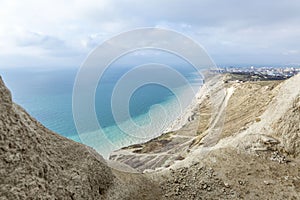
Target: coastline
x,y
174,143
188,114
191,110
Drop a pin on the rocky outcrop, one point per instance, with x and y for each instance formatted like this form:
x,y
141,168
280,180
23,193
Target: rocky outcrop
x,y
287,128
39,164
5,98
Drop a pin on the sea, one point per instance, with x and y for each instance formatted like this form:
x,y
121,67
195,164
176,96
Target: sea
x,y
46,94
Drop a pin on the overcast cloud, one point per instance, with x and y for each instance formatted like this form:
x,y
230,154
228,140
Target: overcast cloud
x,y
61,33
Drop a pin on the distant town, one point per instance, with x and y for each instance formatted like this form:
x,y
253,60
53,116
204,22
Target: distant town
x,y
262,73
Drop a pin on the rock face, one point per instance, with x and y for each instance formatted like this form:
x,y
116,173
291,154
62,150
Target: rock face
x,y
36,162
287,128
39,164
5,98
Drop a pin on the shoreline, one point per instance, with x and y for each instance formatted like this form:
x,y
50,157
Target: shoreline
x,y
183,118
187,115
166,139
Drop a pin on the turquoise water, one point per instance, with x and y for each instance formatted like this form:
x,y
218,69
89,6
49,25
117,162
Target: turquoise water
x,y
47,96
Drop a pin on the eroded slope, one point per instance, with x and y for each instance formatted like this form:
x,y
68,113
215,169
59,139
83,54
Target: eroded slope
x,y
39,164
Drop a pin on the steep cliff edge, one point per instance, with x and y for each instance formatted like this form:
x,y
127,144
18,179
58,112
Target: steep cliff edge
x,y
39,164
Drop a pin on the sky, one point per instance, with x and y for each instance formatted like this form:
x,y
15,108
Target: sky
x,y
55,34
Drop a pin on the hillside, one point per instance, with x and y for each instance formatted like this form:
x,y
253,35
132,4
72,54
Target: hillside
x,y
254,156
241,142
39,164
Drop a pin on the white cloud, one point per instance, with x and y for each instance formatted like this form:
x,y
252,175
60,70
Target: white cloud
x,y
231,30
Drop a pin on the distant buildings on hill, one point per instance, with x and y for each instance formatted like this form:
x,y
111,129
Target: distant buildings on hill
x,y
275,73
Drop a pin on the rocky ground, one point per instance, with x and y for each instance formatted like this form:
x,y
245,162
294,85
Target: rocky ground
x,y
226,174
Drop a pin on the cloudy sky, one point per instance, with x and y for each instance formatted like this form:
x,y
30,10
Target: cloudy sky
x,y
234,32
